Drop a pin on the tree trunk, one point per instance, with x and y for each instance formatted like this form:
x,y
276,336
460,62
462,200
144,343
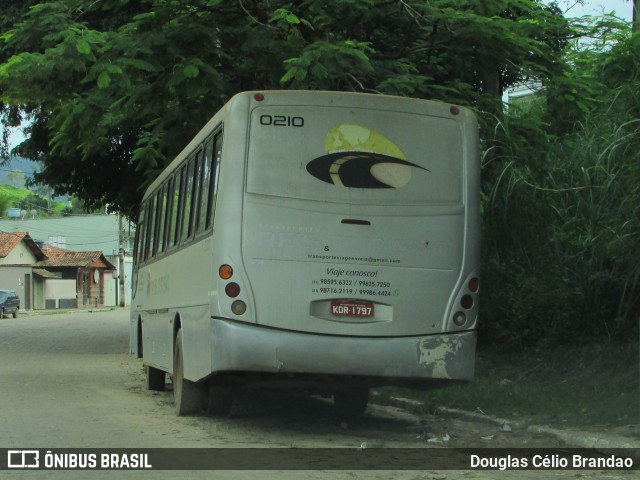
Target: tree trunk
x,y
492,89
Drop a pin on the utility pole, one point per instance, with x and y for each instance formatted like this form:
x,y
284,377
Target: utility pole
x,y
121,260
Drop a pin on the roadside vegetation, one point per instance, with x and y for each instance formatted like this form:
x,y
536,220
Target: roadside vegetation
x,y
33,204
561,275
562,207
590,387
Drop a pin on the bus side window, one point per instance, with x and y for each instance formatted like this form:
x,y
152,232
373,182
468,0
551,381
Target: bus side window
x,y
176,219
151,228
197,191
140,235
169,213
162,213
205,200
187,199
215,171
203,190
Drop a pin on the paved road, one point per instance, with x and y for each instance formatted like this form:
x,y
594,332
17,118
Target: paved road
x,y
68,382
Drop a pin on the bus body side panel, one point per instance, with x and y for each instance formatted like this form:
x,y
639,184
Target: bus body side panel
x,y
178,289
223,247
179,286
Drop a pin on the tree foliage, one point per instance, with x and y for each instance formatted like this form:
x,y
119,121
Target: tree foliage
x,y
562,203
114,89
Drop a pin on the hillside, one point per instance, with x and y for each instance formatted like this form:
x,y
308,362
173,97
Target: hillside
x,y
24,165
29,201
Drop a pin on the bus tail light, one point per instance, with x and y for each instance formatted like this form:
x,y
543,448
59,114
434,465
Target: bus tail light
x,y
459,319
238,307
466,307
225,271
232,289
466,302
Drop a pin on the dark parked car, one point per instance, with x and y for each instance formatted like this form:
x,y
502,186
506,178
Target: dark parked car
x,y
9,303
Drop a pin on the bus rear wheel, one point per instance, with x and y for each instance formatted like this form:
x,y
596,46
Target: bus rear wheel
x,y
351,402
220,398
155,379
187,395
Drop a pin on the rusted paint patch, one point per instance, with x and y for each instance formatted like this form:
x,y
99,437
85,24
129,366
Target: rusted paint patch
x,y
439,355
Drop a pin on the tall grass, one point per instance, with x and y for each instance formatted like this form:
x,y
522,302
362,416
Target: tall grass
x,y
561,232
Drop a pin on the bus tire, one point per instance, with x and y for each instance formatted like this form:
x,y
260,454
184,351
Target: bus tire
x,y
139,340
187,395
350,402
219,399
155,379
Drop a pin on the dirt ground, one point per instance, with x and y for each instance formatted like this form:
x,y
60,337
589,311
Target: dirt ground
x,y
68,382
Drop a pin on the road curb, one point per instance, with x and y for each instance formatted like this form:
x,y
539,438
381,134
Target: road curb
x,y
64,311
603,443
600,442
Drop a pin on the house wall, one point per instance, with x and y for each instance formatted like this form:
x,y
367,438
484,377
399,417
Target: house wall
x,y
110,286
78,288
128,269
20,255
39,290
57,289
83,233
60,293
14,278
90,292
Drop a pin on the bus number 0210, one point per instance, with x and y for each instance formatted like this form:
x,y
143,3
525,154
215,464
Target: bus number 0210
x,y
281,121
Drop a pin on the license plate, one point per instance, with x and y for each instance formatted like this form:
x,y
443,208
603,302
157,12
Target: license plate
x,y
341,308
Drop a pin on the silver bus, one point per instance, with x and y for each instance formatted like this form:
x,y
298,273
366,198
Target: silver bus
x,y
328,241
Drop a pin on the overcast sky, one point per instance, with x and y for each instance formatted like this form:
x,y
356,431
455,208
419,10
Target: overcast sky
x,y
622,8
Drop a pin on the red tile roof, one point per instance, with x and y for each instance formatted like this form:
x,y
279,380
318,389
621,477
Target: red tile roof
x,y
9,241
60,257
51,256
47,249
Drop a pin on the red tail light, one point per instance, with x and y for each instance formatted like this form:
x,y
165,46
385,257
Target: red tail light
x,y
466,302
232,289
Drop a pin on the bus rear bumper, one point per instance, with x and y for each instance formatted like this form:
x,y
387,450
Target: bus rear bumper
x,y
250,348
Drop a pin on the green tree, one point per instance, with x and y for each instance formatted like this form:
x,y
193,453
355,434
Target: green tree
x,y
10,115
36,202
77,207
114,89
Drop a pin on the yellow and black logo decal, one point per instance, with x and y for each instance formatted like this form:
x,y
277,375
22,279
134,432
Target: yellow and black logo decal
x,y
359,157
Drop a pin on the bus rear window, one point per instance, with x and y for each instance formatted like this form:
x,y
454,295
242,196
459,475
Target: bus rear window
x,y
357,156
